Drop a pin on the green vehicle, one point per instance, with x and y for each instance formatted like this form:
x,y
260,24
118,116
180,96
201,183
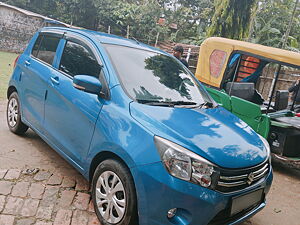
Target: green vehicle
x,y
230,70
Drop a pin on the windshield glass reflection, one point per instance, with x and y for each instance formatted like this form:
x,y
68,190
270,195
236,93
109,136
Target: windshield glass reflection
x,y
150,76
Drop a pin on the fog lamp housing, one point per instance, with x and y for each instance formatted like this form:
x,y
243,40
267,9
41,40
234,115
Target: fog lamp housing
x,y
172,213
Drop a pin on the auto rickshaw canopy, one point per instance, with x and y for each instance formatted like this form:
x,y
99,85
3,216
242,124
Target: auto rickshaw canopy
x,y
216,53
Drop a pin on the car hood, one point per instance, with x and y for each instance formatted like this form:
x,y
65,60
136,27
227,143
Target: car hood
x,y
215,134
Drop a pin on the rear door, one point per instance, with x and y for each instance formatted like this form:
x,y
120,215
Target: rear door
x,y
71,114
37,69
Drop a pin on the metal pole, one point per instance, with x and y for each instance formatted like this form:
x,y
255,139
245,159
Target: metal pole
x,y
296,94
108,30
287,33
128,27
235,74
156,40
188,55
271,88
275,82
263,87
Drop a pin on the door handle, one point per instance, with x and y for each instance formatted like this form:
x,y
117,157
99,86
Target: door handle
x,y
27,63
55,80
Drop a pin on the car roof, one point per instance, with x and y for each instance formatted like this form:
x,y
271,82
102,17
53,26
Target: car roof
x,y
105,38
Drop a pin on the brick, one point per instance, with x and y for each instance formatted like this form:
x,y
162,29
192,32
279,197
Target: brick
x,y
68,182
2,173
66,198
42,175
27,221
81,184
12,174
63,217
5,187
81,201
2,202
43,223
30,207
20,189
91,207
93,220
80,218
45,212
36,190
55,179
6,220
13,205
50,196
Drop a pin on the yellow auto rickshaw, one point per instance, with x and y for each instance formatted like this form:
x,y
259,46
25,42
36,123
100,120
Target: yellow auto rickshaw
x,y
244,78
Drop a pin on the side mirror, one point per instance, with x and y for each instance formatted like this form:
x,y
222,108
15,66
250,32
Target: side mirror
x,y
87,83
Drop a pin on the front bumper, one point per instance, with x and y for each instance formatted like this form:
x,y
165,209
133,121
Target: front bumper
x,y
158,192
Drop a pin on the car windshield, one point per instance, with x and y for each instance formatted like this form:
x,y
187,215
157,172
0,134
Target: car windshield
x,y
151,77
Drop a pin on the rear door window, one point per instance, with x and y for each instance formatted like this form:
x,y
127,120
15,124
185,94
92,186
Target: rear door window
x,y
79,60
37,45
45,48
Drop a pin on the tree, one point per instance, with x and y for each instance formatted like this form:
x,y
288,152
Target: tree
x,y
232,18
76,12
140,16
271,21
192,18
195,19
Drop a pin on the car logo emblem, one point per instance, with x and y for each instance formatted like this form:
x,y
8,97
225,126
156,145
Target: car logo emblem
x,y
250,178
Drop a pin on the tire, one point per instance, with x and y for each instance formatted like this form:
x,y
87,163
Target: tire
x,y
123,204
13,115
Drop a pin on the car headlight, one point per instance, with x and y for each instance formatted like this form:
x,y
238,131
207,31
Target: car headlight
x,y
186,165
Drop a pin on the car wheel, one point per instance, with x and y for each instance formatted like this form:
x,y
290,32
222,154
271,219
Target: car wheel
x,y
13,115
113,194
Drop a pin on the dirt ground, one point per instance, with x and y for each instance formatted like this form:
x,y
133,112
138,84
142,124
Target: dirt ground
x,y
29,151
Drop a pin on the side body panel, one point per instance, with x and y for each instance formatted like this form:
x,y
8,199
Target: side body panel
x,y
116,131
33,82
70,114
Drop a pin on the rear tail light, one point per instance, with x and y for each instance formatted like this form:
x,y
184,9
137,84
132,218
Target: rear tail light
x,y
298,114
16,60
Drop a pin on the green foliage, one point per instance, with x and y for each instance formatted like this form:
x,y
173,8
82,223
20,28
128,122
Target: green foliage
x,y
192,18
271,22
195,19
140,16
77,12
231,18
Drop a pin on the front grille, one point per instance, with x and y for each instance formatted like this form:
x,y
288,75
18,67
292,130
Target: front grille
x,y
234,180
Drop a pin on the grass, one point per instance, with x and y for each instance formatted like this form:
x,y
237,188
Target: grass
x,y
6,67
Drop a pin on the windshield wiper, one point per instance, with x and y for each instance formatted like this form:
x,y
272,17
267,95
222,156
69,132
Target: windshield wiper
x,y
155,102
183,103
165,103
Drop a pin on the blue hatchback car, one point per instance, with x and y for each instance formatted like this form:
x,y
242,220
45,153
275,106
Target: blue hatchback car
x,y
137,124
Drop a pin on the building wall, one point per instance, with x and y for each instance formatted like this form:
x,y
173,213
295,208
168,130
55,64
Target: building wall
x,y
16,29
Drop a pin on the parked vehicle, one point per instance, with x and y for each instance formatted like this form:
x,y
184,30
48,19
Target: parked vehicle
x,y
138,125
230,70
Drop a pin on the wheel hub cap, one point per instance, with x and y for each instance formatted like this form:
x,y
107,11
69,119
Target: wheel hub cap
x,y
12,112
110,197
